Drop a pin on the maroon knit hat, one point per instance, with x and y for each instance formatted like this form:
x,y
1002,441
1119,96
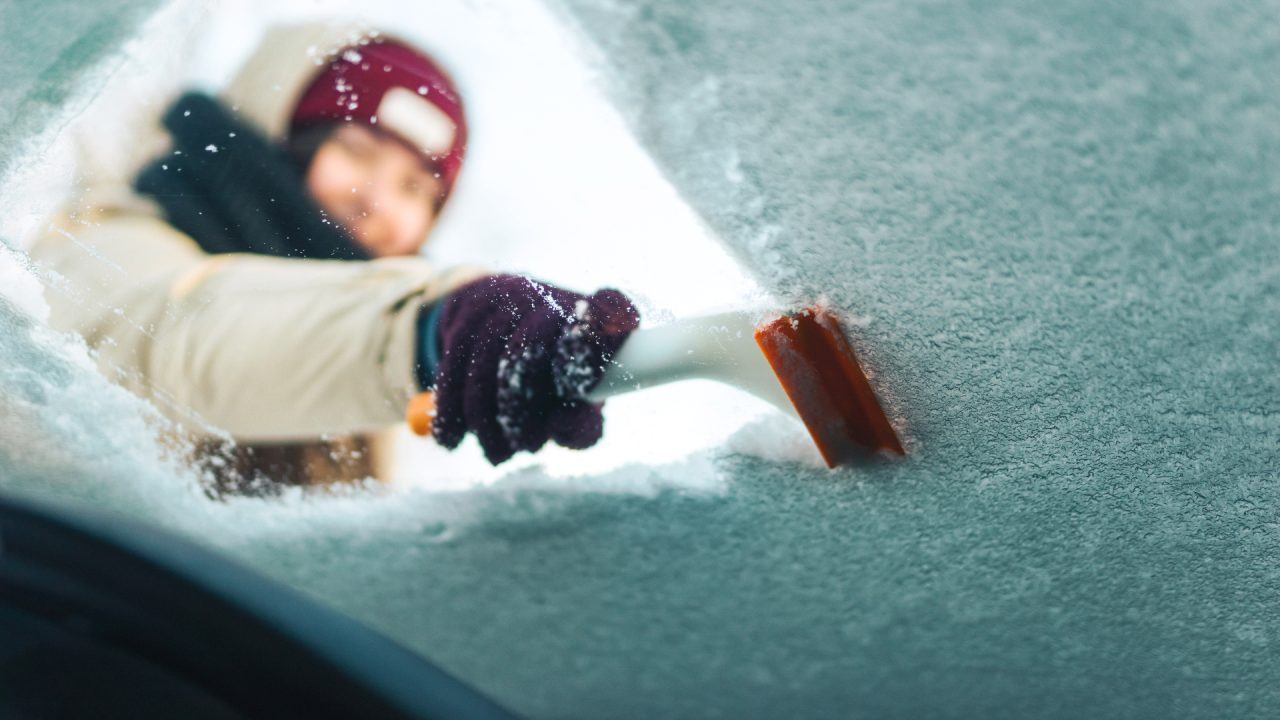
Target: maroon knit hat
x,y
394,88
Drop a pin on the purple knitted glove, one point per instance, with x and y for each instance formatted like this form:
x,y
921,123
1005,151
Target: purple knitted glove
x,y
518,358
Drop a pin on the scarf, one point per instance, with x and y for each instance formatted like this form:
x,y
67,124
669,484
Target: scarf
x,y
232,190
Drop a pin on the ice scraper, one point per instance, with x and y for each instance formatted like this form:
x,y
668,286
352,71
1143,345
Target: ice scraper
x,y
801,363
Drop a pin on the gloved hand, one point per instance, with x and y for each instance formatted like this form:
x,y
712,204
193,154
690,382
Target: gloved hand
x,y
517,360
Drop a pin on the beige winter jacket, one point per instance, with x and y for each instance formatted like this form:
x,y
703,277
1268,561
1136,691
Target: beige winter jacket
x,y
263,348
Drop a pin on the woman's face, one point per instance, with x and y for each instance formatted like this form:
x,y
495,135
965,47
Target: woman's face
x,y
377,188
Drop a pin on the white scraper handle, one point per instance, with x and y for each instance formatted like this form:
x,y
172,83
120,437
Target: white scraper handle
x,y
713,347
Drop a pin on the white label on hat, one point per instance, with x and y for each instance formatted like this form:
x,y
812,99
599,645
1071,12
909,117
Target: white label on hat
x,y
417,120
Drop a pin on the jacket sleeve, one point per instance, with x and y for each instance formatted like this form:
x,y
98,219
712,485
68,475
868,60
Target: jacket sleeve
x,y
263,348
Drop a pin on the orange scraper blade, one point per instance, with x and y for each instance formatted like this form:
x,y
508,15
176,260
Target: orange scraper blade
x,y
820,373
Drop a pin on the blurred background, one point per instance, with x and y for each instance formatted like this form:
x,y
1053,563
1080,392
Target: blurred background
x,y
1052,227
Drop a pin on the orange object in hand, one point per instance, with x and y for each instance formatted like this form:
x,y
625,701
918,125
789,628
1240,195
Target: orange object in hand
x,y
802,363
420,412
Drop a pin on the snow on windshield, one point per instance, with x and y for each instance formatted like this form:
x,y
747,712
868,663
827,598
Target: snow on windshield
x,y
1055,229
